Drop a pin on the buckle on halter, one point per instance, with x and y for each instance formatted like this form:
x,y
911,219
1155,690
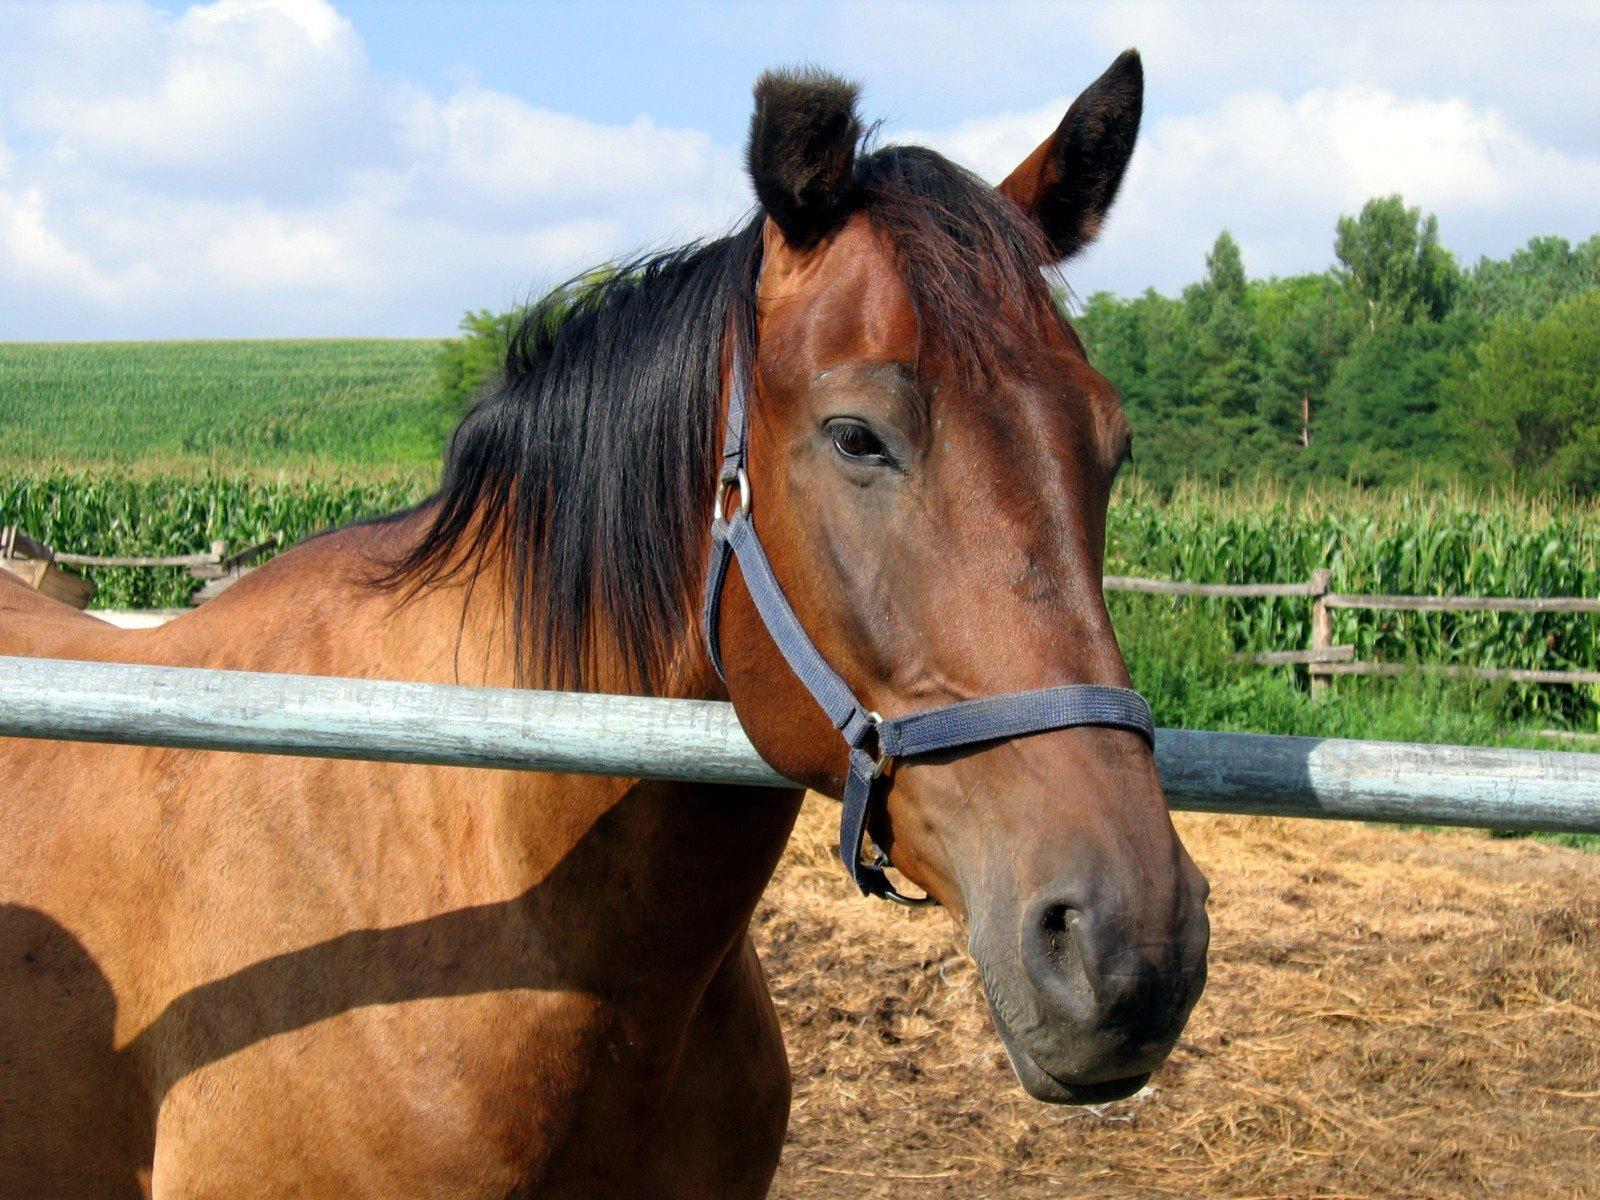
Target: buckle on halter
x,y
884,762
726,481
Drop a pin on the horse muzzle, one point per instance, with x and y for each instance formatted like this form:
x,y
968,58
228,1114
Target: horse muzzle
x,y
1086,1009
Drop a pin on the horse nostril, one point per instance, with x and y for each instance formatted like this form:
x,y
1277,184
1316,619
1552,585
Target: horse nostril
x,y
1057,956
1058,927
1061,928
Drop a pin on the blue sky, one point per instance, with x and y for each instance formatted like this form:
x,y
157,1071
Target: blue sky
x,y
250,168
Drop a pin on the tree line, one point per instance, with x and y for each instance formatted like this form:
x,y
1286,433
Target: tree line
x,y
1392,365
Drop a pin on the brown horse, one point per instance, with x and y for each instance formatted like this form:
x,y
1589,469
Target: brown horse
x,y
233,975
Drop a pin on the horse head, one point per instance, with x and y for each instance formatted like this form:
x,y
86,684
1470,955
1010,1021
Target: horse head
x,y
930,459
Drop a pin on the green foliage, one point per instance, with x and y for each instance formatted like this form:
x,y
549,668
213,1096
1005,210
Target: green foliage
x,y
125,513
1377,371
1228,352
1528,405
470,362
1391,261
1312,332
1536,278
1224,281
1380,420
223,404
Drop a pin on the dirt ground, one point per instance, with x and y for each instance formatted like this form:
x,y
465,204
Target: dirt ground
x,y
1390,1013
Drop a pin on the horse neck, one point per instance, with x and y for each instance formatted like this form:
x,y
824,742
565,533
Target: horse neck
x,y
669,871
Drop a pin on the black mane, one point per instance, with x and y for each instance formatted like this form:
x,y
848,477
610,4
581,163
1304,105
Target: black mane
x,y
589,466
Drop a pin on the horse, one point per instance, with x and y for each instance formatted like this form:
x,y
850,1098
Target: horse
x,y
231,974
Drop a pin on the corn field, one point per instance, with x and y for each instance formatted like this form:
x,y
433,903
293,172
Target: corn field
x,y
1414,542
125,514
342,402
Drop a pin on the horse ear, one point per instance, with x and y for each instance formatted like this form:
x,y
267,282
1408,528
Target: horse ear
x,y
1069,182
802,152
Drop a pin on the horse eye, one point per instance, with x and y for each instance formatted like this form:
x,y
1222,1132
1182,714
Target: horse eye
x,y
858,443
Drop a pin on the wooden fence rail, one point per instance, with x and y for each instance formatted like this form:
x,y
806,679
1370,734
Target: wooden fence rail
x,y
40,566
212,564
631,736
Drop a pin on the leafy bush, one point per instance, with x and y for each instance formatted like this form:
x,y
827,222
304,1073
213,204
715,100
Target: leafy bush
x,y
469,363
1528,406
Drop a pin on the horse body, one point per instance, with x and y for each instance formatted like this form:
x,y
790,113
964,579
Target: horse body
x,y
237,975
250,953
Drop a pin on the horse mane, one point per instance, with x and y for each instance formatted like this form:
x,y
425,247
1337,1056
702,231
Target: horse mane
x,y
589,466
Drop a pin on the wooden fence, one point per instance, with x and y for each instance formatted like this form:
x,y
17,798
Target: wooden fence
x,y
36,562
638,737
1322,659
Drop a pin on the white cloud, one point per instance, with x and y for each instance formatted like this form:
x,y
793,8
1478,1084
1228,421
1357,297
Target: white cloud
x,y
515,153
241,168
1279,171
270,252
236,86
35,256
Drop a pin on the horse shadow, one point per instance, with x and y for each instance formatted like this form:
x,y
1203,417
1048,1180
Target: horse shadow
x,y
65,1092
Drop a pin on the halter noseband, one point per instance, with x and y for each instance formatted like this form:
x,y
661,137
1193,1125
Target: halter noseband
x,y
876,741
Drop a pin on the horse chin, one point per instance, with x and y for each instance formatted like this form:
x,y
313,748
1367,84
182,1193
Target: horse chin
x,y
1051,1089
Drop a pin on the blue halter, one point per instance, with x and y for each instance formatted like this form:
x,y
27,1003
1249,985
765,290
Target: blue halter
x,y
876,741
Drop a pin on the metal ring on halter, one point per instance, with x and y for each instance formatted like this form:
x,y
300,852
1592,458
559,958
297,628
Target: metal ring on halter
x,y
723,485
881,860
894,896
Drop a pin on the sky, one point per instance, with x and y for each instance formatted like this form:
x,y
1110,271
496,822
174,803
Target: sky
x,y
264,168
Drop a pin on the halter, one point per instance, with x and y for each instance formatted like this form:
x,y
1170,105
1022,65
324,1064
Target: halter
x,y
875,741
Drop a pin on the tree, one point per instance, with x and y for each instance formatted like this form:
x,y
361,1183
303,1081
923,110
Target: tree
x,y
1224,281
1226,345
1113,330
1312,338
1536,278
469,362
1527,404
1392,263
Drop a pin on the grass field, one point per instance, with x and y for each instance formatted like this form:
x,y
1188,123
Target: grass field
x,y
345,403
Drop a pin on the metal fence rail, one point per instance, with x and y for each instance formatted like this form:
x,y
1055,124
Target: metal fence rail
x,y
1253,774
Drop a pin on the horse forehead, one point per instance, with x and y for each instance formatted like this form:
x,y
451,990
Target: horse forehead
x,y
844,298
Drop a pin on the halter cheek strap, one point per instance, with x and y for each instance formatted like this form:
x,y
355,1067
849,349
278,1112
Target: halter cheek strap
x,y
876,741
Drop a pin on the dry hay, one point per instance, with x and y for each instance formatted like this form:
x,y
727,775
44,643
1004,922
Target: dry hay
x,y
1390,1013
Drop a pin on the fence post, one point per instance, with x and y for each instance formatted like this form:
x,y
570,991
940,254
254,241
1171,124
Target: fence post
x,y
1321,630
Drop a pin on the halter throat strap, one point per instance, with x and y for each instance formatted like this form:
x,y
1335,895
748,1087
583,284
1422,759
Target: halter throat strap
x,y
874,741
